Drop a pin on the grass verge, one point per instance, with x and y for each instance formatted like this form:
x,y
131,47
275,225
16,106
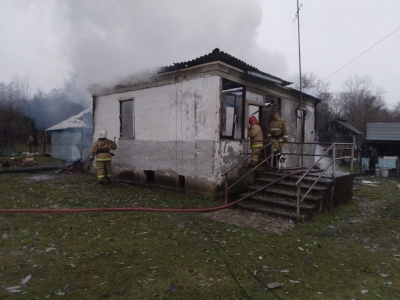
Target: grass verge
x,y
352,252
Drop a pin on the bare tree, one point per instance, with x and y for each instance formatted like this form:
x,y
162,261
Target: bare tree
x,y
362,102
319,88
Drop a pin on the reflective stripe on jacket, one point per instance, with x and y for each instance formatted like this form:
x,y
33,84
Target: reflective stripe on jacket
x,y
256,136
277,129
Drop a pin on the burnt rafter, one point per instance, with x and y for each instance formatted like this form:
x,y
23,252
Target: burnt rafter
x,y
217,55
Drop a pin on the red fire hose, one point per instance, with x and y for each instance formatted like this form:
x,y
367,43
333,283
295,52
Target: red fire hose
x,y
176,210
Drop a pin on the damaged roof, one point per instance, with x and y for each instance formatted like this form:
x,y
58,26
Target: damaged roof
x,y
348,126
78,121
217,55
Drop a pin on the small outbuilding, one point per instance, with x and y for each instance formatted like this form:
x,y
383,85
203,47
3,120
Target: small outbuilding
x,y
385,137
340,131
187,124
72,138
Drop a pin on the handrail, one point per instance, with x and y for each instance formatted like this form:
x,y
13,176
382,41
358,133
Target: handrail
x,y
315,182
232,185
298,183
226,174
308,171
239,163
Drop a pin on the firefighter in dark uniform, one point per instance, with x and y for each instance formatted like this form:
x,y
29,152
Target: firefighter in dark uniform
x,y
277,132
101,150
256,138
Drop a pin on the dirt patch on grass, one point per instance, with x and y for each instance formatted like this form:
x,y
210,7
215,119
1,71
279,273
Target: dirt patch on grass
x,y
261,221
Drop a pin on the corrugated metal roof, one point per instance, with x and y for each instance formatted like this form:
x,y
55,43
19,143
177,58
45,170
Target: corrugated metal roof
x,y
77,121
383,131
217,55
349,126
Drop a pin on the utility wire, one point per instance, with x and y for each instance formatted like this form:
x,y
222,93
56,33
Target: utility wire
x,y
362,53
219,254
240,264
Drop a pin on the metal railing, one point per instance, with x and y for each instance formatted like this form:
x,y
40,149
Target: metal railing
x,y
226,174
332,148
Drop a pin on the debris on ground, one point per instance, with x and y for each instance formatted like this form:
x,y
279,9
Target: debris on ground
x,y
273,285
11,162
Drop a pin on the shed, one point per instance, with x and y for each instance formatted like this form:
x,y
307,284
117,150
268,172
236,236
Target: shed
x,y
188,124
72,138
340,131
385,137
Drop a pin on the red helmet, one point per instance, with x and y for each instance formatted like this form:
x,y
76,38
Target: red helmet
x,y
253,120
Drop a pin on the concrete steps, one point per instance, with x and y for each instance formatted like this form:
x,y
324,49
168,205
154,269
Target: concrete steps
x,y
280,199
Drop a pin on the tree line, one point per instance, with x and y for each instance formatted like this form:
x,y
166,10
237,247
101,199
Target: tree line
x,y
23,112
359,102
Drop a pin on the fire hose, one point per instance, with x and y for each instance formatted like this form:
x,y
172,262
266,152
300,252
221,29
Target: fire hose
x,y
175,210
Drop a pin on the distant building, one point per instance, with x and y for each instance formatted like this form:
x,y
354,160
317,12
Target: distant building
x,y
188,124
340,131
385,137
72,138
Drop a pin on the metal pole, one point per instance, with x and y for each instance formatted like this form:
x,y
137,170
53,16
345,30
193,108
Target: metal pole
x,y
226,188
352,158
301,85
298,202
334,160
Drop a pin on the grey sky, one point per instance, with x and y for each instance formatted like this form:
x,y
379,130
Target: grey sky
x,y
100,40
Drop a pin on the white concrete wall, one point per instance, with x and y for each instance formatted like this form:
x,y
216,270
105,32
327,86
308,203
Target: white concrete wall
x,y
66,144
294,130
176,130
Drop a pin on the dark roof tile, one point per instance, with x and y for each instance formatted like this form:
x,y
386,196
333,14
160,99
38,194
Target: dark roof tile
x,y
217,55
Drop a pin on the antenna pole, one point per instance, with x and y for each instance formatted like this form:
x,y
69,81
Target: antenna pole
x,y
301,87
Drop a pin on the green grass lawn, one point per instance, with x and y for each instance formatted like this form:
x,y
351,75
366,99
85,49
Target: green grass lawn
x,y
351,253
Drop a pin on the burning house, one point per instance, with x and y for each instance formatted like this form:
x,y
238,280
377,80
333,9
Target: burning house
x,y
188,124
72,138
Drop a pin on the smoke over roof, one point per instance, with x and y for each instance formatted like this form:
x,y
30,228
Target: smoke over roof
x,y
106,41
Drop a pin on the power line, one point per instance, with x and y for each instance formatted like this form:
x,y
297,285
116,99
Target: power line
x,y
362,53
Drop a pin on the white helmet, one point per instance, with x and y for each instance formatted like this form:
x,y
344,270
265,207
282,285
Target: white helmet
x,y
103,134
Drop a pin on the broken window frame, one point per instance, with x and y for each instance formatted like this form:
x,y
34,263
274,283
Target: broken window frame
x,y
127,133
228,116
237,92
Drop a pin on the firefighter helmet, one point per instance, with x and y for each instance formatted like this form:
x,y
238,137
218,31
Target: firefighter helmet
x,y
103,134
253,120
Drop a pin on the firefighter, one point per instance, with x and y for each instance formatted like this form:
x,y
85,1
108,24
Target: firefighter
x,y
277,132
256,138
101,150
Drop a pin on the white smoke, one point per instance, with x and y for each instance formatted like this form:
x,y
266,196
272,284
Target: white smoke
x,y
107,40
324,162
104,41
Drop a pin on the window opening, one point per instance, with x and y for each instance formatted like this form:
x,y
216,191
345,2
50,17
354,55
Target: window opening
x,y
232,109
181,181
150,178
127,119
